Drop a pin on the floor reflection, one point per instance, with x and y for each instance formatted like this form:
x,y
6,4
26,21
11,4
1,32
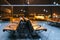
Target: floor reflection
x,y
53,33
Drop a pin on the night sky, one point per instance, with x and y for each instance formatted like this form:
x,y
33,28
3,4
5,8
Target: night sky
x,y
31,1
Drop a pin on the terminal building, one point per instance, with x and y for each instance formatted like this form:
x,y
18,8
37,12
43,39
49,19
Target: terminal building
x,y
43,17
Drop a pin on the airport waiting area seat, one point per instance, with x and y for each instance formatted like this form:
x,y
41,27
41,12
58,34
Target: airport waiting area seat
x,y
25,29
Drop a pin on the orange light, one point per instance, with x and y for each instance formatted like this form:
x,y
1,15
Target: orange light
x,y
54,14
13,20
8,10
39,17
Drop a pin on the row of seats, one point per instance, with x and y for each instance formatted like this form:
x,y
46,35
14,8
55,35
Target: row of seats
x,y
25,26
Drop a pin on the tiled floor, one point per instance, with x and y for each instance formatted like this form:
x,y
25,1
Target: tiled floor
x,y
52,33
